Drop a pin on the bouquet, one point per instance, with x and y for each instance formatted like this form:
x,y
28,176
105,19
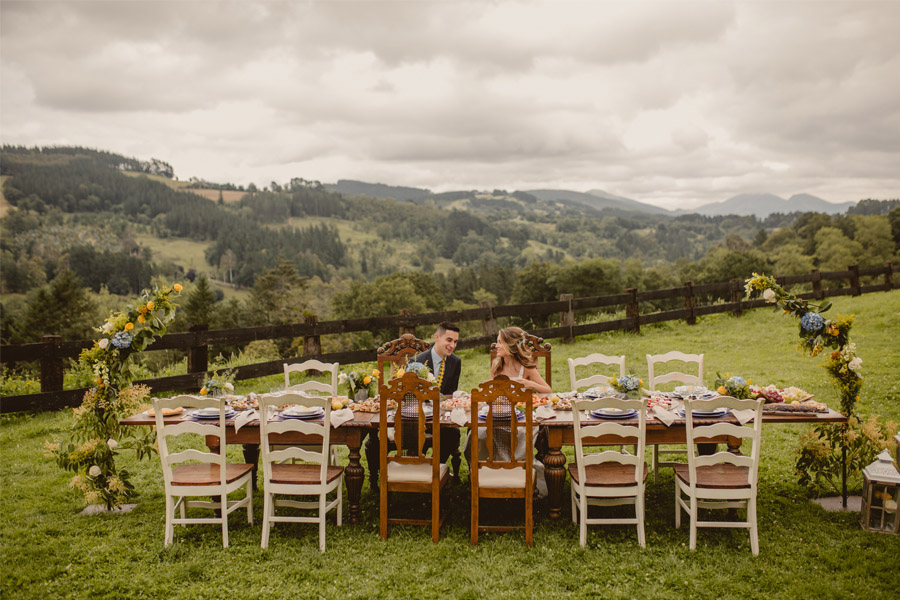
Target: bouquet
x,y
219,383
418,368
358,380
734,386
626,383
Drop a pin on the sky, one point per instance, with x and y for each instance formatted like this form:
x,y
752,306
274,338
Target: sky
x,y
673,103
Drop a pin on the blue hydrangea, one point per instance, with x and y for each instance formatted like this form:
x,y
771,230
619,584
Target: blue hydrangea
x,y
738,380
629,382
122,340
812,322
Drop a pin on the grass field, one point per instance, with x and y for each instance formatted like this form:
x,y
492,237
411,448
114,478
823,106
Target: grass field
x,y
52,552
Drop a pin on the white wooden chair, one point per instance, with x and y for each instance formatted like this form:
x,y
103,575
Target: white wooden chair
x,y
314,477
207,474
722,480
655,379
609,477
597,378
314,386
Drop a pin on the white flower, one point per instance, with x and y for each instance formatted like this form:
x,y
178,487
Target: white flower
x,y
342,378
431,377
108,327
229,386
855,364
769,295
94,471
103,343
112,443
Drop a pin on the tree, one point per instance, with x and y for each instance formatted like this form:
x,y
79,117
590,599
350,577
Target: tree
x,y
873,232
834,251
276,294
61,308
200,301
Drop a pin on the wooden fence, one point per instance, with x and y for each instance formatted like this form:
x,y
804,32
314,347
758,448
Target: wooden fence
x,y
53,349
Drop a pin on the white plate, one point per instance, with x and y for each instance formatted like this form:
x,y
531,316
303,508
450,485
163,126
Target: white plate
x,y
613,413
295,411
211,413
706,414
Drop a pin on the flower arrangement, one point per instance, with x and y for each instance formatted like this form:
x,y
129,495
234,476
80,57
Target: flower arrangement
x,y
219,384
420,369
626,383
97,435
358,380
734,386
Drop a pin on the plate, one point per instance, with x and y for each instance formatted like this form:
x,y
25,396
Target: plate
x,y
482,417
613,413
598,392
705,414
211,413
298,412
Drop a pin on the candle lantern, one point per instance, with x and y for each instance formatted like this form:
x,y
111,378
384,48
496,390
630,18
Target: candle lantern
x,y
881,492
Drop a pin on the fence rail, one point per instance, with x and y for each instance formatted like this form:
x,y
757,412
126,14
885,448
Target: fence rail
x,y
53,350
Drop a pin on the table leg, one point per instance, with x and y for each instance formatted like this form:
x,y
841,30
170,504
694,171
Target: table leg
x,y
554,471
354,475
251,456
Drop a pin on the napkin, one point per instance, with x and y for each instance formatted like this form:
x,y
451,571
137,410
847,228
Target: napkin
x,y
459,416
339,417
544,412
744,416
243,418
663,415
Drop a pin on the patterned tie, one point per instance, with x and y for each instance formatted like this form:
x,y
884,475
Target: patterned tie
x,y
440,378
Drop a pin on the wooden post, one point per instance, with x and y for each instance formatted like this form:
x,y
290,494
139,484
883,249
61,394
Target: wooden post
x,y
52,367
854,280
567,319
818,294
405,329
888,278
312,344
489,325
632,311
198,356
690,302
737,295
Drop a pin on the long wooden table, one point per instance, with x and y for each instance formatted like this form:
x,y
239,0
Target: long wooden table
x,y
560,432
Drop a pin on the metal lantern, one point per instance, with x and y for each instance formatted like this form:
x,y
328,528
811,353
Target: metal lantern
x,y
881,492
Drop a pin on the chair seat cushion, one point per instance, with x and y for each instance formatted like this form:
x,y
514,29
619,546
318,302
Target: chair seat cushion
x,y
503,478
723,476
413,473
301,474
610,474
208,474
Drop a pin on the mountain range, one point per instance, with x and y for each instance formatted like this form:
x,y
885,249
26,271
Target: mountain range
x,y
760,204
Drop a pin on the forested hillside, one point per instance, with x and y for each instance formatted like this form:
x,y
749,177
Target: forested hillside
x,y
73,216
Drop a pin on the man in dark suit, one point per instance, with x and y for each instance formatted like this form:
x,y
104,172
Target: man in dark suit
x,y
446,367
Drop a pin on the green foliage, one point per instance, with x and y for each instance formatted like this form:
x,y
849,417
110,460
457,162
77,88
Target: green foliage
x,y
61,308
200,301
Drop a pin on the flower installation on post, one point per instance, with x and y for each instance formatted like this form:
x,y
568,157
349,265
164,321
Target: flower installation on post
x,y
825,448
97,435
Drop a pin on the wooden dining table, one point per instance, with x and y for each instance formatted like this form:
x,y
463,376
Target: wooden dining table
x,y
559,432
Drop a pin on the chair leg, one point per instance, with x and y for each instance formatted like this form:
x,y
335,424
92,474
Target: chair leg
x,y
383,512
754,532
529,517
655,464
435,516
170,516
574,513
267,500
693,544
322,515
250,501
340,502
677,505
224,507
473,536
639,513
582,520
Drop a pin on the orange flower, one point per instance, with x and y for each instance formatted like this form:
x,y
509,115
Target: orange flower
x,y
203,390
140,318
150,305
721,389
129,326
177,287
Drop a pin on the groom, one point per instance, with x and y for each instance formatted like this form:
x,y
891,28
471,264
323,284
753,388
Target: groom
x,y
446,367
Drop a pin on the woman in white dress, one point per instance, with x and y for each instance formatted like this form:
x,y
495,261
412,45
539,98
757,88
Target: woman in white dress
x,y
515,361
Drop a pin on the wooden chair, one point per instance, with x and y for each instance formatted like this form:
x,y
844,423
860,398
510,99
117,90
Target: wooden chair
x,y
501,473
312,385
722,480
610,477
539,349
313,477
654,379
596,378
208,474
409,467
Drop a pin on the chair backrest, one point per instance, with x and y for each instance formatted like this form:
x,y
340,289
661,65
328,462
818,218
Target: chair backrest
x,y
203,428
500,396
610,433
271,432
395,353
539,348
312,385
697,433
654,379
415,398
596,378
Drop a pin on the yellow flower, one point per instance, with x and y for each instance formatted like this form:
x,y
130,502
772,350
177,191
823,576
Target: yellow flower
x,y
150,305
203,391
376,374
367,380
129,326
177,287
721,389
140,318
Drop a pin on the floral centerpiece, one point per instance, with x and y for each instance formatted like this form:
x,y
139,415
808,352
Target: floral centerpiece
x,y
359,382
420,369
821,454
626,384
219,384
96,434
734,386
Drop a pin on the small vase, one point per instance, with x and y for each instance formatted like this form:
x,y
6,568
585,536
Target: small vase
x,y
361,395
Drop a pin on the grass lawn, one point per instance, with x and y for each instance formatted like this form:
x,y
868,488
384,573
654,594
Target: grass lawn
x,y
52,552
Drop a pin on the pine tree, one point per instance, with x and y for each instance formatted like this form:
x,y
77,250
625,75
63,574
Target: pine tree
x,y
199,306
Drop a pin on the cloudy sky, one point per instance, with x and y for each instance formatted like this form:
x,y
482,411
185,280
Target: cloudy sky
x,y
673,103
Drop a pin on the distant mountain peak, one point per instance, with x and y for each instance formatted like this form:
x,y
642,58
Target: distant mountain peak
x,y
763,204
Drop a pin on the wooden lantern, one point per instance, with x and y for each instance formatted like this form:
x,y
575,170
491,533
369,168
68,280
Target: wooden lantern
x,y
881,493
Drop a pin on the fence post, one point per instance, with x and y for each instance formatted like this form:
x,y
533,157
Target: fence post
x,y
52,367
403,328
632,312
198,356
888,278
489,326
737,295
312,344
567,319
818,294
689,303
854,280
